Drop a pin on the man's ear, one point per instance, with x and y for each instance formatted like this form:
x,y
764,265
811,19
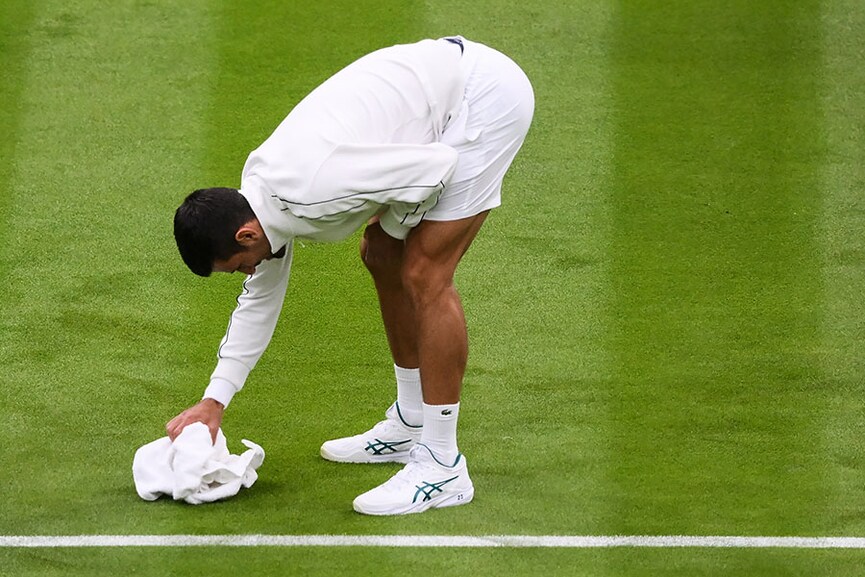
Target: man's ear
x,y
248,234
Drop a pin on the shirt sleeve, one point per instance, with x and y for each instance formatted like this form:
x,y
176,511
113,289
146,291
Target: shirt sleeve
x,y
250,327
406,178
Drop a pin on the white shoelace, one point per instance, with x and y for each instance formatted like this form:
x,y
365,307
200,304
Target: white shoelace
x,y
414,470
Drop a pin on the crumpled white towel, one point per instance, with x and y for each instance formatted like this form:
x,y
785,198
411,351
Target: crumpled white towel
x,y
193,469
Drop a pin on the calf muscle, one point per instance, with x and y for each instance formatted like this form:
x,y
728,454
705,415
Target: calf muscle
x,y
420,306
433,251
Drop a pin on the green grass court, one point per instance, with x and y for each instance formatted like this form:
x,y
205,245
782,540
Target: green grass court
x,y
666,315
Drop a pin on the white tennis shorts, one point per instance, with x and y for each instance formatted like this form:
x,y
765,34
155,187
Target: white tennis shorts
x,y
495,117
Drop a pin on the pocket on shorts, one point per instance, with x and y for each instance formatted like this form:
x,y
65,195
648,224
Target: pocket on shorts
x,y
460,130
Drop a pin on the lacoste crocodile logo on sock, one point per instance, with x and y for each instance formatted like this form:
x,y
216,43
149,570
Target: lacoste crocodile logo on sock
x,y
446,412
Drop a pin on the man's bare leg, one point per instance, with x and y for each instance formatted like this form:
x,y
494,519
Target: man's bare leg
x,y
436,474
432,252
383,257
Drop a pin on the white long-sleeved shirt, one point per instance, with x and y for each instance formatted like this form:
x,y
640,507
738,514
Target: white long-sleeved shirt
x,y
364,142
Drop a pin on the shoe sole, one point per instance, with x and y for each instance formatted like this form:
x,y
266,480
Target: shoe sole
x,y
461,498
401,457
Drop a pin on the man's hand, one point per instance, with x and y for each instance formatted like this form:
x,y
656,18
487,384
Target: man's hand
x,y
208,411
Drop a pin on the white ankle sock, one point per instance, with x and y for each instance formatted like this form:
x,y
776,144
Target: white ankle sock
x,y
440,432
409,397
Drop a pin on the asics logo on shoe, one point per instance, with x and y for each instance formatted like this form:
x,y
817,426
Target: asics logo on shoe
x,y
446,412
430,489
384,447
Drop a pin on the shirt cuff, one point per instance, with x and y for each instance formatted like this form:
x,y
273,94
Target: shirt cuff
x,y
220,390
228,377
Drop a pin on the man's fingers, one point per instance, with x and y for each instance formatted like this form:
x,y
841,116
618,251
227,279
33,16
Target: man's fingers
x,y
172,423
169,428
173,430
207,411
176,425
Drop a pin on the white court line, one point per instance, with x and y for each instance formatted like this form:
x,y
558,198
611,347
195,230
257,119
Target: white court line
x,y
512,541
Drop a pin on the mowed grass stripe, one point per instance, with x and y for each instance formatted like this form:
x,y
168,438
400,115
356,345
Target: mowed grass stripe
x,y
90,322
534,283
17,39
15,16
716,277
843,253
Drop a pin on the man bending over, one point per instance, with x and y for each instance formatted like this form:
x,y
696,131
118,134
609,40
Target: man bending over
x,y
413,142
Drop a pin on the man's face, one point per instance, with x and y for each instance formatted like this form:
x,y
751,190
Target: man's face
x,y
247,260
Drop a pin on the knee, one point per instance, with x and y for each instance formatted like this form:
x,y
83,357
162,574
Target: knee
x,y
380,254
364,252
424,281
371,257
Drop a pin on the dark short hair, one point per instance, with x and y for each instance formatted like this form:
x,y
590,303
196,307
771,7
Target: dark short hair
x,y
205,226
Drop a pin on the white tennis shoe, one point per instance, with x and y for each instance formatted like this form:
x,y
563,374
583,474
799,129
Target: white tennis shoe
x,y
388,441
423,484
